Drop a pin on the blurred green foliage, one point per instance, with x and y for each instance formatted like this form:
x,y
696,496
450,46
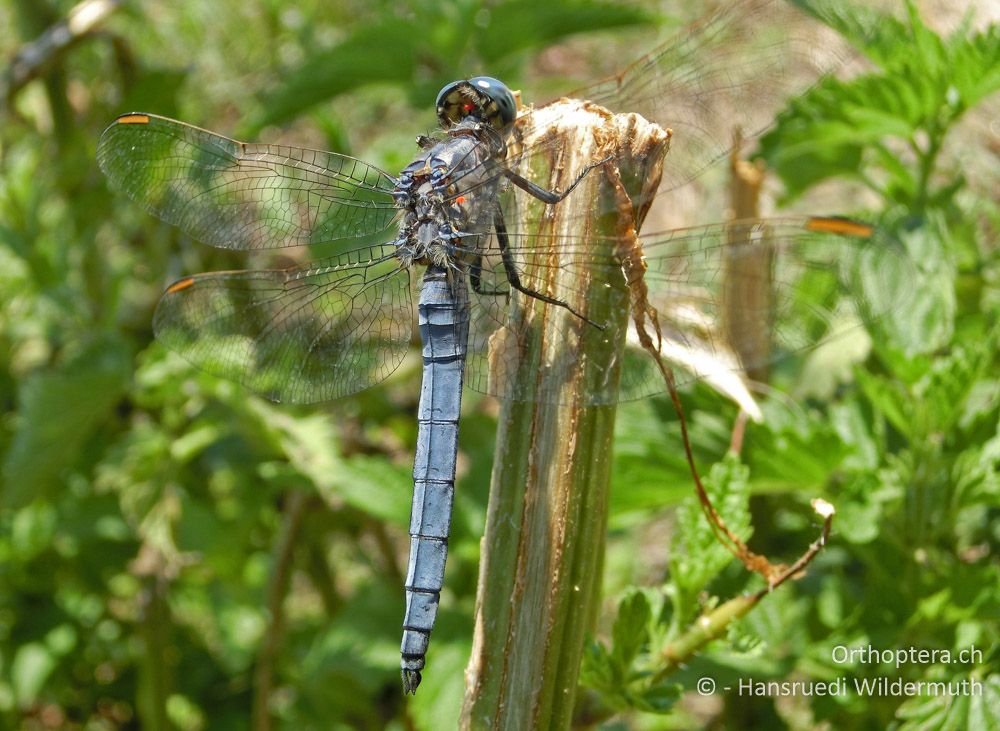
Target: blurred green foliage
x,y
909,454
154,518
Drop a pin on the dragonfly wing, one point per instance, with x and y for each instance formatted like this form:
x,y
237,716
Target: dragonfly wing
x,y
304,334
731,299
734,69
236,195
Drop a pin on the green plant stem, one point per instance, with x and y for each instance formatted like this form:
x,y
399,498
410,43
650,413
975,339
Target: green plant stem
x,y
277,588
927,159
313,536
675,653
713,624
154,668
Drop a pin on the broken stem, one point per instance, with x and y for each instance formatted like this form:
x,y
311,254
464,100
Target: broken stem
x,y
543,550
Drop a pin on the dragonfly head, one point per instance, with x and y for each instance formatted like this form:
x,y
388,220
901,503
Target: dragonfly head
x,y
484,98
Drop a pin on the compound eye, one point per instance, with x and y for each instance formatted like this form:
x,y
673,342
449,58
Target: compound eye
x,y
500,109
481,97
455,103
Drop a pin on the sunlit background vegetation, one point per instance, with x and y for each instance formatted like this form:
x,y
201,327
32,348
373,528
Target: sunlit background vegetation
x,y
176,553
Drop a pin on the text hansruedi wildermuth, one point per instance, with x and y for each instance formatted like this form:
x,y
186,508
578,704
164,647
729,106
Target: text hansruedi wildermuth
x,y
878,686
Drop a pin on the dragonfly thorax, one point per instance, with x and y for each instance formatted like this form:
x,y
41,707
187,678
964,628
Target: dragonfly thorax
x,y
447,195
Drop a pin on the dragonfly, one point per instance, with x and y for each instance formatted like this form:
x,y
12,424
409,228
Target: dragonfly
x,y
330,327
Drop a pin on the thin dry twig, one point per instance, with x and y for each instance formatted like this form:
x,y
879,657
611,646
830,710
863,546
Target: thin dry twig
x,y
713,624
645,318
33,58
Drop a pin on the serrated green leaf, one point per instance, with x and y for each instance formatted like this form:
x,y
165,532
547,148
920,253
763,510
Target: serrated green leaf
x,y
796,452
631,628
697,555
647,474
872,124
888,398
659,698
871,31
930,50
976,473
925,85
953,712
975,65
943,391
597,670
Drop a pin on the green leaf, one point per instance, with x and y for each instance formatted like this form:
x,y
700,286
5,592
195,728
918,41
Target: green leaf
x,y
889,399
825,132
862,505
697,555
31,667
630,630
853,426
647,474
501,31
953,712
379,488
376,486
659,697
974,67
359,60
874,33
942,393
439,701
925,84
523,24
796,451
597,671
60,409
976,473
351,660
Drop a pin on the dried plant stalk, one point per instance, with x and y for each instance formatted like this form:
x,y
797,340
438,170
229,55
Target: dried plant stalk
x,y
543,549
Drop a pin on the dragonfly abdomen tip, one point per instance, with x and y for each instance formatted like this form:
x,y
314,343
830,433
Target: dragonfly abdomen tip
x,y
411,679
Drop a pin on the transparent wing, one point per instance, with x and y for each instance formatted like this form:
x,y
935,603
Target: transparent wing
x,y
305,334
236,195
731,298
734,69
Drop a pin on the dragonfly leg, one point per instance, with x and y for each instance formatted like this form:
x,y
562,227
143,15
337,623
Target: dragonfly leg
x,y
515,279
476,278
549,196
